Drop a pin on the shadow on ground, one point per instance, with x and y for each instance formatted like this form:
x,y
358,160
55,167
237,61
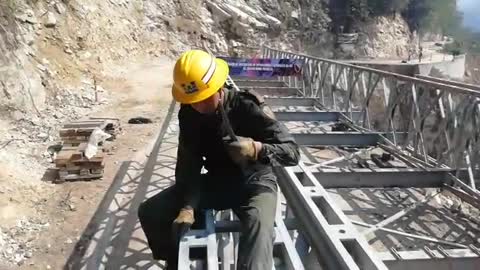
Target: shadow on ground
x,y
113,239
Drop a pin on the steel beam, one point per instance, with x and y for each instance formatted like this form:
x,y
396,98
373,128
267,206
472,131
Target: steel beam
x,y
294,262
322,116
381,178
410,235
245,78
400,77
276,91
207,238
293,101
223,226
226,245
444,259
212,248
318,215
332,236
200,238
259,83
450,82
338,138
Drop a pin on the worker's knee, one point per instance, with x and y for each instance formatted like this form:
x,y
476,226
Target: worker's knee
x,y
258,223
160,208
149,211
141,211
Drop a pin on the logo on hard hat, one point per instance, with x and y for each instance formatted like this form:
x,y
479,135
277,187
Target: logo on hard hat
x,y
190,88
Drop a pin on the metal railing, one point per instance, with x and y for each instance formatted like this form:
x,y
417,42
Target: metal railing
x,y
432,126
433,121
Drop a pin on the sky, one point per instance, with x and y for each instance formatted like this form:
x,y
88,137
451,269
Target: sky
x,y
471,13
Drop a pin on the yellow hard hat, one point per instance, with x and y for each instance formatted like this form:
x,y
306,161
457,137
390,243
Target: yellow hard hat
x,y
197,76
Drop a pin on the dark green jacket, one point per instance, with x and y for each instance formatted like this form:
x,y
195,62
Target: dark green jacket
x,y
202,144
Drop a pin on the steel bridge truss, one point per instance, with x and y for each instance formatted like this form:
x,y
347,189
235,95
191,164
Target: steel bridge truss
x,y
367,136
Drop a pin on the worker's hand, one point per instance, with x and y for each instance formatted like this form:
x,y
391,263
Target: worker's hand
x,y
181,225
243,150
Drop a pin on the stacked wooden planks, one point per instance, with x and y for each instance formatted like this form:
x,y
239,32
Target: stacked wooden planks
x,y
80,131
73,165
71,161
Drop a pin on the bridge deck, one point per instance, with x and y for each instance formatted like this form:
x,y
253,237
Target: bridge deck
x,y
340,209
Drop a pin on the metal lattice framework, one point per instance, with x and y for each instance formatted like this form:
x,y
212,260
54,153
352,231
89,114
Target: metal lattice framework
x,y
436,121
431,125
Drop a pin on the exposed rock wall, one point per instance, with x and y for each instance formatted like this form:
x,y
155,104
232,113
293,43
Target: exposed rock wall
x,y
385,37
20,85
233,26
47,47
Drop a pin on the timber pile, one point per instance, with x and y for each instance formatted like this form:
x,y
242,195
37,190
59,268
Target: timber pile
x,y
79,131
73,165
71,162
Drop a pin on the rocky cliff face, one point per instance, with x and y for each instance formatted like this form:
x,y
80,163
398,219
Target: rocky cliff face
x,y
233,26
49,49
386,37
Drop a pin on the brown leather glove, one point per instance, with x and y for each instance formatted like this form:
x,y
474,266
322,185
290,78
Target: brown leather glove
x,y
181,225
244,150
186,215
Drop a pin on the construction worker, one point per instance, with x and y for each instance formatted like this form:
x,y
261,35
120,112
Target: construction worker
x,y
420,54
239,166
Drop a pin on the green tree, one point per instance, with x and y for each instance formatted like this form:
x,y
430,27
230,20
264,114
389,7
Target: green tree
x,y
398,5
366,8
385,7
438,16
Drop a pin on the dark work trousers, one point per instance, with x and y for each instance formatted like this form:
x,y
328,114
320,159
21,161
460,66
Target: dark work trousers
x,y
254,204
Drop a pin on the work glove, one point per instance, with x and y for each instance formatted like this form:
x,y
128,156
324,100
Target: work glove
x,y
182,224
243,150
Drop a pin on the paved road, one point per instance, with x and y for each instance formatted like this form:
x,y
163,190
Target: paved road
x,y
427,59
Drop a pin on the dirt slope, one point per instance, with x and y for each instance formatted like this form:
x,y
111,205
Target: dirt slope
x,y
42,221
